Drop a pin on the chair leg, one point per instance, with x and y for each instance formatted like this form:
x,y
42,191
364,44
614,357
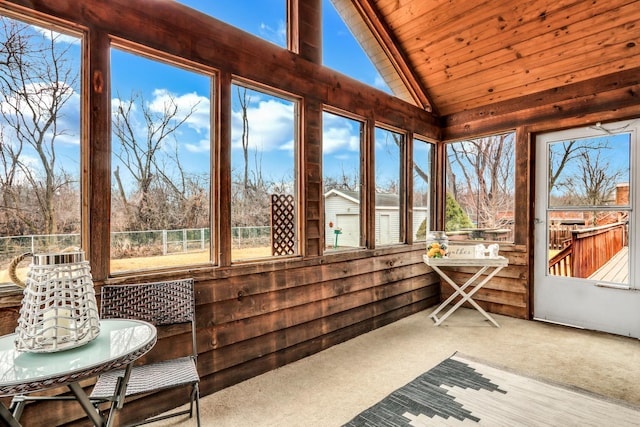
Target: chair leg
x,y
196,389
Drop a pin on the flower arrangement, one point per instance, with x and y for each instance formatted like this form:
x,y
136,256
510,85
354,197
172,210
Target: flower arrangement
x,y
437,243
436,250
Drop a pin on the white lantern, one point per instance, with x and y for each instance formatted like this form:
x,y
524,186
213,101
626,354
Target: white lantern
x,y
59,309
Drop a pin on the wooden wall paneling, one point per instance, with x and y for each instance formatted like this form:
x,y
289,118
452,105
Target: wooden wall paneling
x,y
311,187
310,301
222,171
564,106
367,189
296,325
271,361
309,28
523,194
237,354
245,287
97,176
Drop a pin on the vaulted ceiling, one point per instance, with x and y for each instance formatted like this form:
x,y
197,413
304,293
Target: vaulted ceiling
x,y
456,55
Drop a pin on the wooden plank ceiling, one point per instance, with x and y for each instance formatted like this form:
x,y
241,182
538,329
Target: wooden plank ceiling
x,y
458,55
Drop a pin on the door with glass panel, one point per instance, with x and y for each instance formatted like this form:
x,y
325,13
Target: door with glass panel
x,y
585,228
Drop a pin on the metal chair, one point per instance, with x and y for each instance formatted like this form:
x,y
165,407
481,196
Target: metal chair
x,y
160,303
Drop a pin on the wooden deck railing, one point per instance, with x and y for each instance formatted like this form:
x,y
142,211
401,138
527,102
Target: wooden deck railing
x,y
589,249
560,263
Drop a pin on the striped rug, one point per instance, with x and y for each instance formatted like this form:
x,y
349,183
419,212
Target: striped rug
x,y
462,391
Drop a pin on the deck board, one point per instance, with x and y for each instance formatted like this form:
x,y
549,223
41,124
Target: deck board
x,y
616,269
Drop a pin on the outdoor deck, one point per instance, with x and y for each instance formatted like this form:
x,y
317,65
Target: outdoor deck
x,y
616,269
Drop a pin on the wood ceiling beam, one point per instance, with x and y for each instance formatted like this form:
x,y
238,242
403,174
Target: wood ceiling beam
x,y
389,45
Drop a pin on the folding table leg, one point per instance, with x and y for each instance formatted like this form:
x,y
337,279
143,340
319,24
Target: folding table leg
x,y
468,296
457,289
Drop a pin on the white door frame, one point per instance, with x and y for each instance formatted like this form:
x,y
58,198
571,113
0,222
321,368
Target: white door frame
x,y
577,302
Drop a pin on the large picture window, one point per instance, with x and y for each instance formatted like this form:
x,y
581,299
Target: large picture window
x,y
422,182
264,177
161,168
480,188
388,154
41,141
341,142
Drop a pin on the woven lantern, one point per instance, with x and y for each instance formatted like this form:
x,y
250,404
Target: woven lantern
x,y
59,309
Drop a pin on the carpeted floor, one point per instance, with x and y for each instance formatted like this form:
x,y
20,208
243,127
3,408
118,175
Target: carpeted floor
x,y
332,387
460,390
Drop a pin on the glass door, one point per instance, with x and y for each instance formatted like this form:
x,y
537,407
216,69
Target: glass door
x,y
584,228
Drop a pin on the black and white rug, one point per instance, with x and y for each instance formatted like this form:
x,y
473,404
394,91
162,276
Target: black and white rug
x,y
461,391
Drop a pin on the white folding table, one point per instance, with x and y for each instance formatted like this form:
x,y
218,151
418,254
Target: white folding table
x,y
483,265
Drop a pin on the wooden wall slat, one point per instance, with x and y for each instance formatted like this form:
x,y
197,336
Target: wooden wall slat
x,y
578,103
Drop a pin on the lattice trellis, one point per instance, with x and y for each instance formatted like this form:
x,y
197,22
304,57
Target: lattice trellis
x,y
283,224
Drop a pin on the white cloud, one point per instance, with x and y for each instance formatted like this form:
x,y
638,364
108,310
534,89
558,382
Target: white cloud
x,y
337,139
380,83
40,99
271,125
194,134
204,145
199,120
58,37
339,134
275,35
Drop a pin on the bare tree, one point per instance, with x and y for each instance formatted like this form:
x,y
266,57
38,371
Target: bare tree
x,y
344,181
486,168
563,153
244,101
592,183
145,154
37,79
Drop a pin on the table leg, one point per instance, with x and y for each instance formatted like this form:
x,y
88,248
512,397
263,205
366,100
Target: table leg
x,y
455,287
8,417
91,411
467,297
459,290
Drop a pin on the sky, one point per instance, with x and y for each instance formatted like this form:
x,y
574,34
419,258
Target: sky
x,y
271,118
612,159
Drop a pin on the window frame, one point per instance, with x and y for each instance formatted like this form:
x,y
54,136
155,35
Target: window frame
x,y
431,191
514,197
298,103
361,178
81,32
213,74
403,179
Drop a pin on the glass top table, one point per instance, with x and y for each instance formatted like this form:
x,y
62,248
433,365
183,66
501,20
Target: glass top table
x,y
119,343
